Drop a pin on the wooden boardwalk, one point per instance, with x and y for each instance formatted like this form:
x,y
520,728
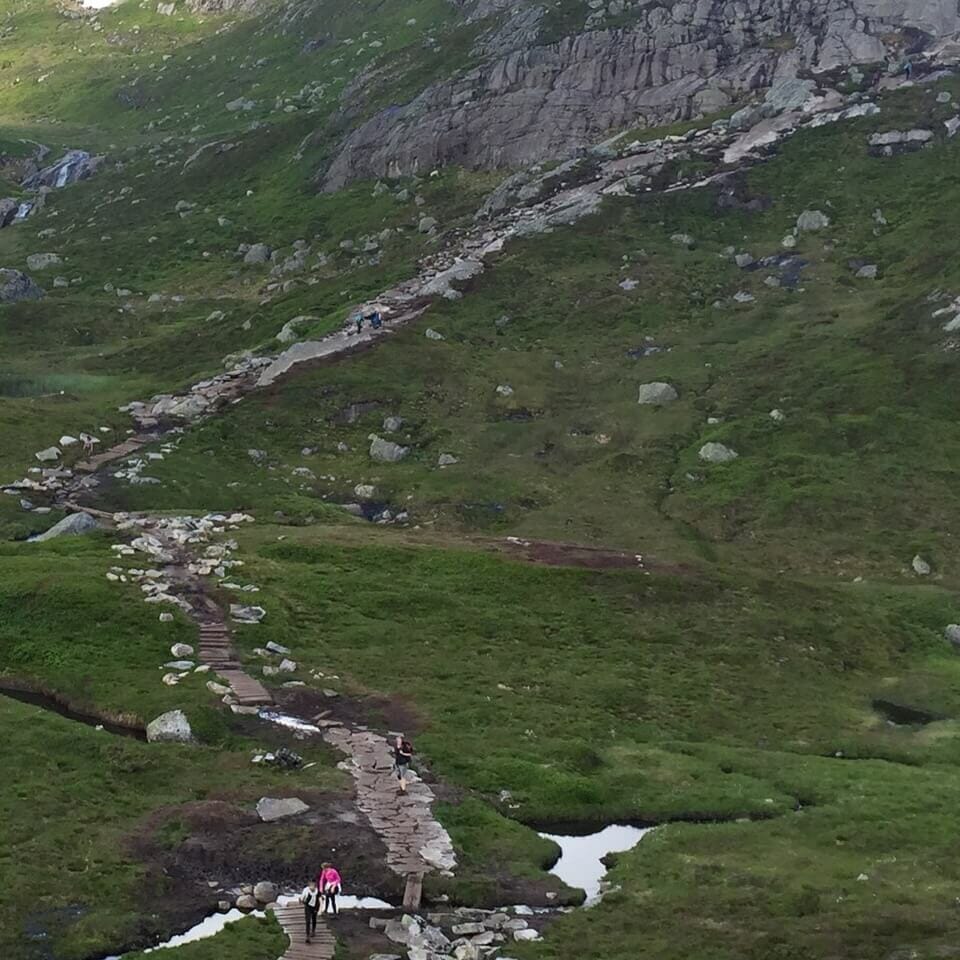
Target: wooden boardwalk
x,y
216,650
322,945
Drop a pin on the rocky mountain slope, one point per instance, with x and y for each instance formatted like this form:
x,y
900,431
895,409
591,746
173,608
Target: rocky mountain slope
x,y
638,507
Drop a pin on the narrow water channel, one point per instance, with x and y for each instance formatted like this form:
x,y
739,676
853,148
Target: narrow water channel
x,y
47,702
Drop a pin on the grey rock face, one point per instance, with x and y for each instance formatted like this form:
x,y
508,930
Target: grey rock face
x,y
952,633
526,104
72,525
272,808
170,727
657,393
16,286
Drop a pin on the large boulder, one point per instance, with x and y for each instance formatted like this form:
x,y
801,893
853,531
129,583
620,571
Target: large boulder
x,y
72,525
170,727
812,220
16,286
657,393
258,253
274,808
386,451
43,261
717,453
952,633
266,892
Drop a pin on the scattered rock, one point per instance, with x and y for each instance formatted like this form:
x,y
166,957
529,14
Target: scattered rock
x,y
49,455
629,284
778,415
393,424
867,272
920,566
277,648
257,253
170,727
505,390
683,240
246,901
244,614
432,334
273,808
43,261
812,220
952,633
181,650
427,225
446,460
657,393
365,491
717,453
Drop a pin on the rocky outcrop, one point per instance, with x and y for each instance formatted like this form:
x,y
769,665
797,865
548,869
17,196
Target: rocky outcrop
x,y
547,101
74,524
16,286
72,166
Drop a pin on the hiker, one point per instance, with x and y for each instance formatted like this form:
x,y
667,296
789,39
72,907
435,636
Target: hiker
x,y
330,884
359,319
310,898
376,321
402,755
88,443
907,68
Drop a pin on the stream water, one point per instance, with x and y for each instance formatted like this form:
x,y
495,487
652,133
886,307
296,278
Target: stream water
x,y
581,857
46,702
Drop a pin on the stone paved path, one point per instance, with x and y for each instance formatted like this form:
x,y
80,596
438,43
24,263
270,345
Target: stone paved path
x,y
416,843
322,944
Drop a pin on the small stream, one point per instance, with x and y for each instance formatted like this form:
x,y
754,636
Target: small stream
x,y
581,857
47,702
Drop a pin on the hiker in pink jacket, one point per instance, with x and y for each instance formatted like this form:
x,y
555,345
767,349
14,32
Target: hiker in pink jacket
x,y
330,883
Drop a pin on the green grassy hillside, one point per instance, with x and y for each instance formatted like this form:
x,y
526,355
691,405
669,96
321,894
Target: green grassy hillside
x,y
724,649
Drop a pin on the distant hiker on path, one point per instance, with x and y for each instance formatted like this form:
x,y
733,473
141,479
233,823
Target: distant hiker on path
x,y
310,898
330,884
359,319
376,321
402,755
88,443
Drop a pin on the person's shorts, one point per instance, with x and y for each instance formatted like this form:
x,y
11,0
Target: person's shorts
x,y
402,770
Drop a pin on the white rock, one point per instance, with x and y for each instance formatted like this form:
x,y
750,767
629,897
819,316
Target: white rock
x,y
170,727
920,566
657,393
717,453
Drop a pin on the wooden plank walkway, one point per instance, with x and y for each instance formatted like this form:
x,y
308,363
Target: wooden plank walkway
x,y
322,945
216,650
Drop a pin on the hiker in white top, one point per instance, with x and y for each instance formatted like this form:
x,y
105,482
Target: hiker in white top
x,y
310,898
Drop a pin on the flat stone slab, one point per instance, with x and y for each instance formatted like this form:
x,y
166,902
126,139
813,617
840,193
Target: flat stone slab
x,y
276,808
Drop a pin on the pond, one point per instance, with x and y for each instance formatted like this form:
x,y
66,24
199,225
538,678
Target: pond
x,y
581,856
